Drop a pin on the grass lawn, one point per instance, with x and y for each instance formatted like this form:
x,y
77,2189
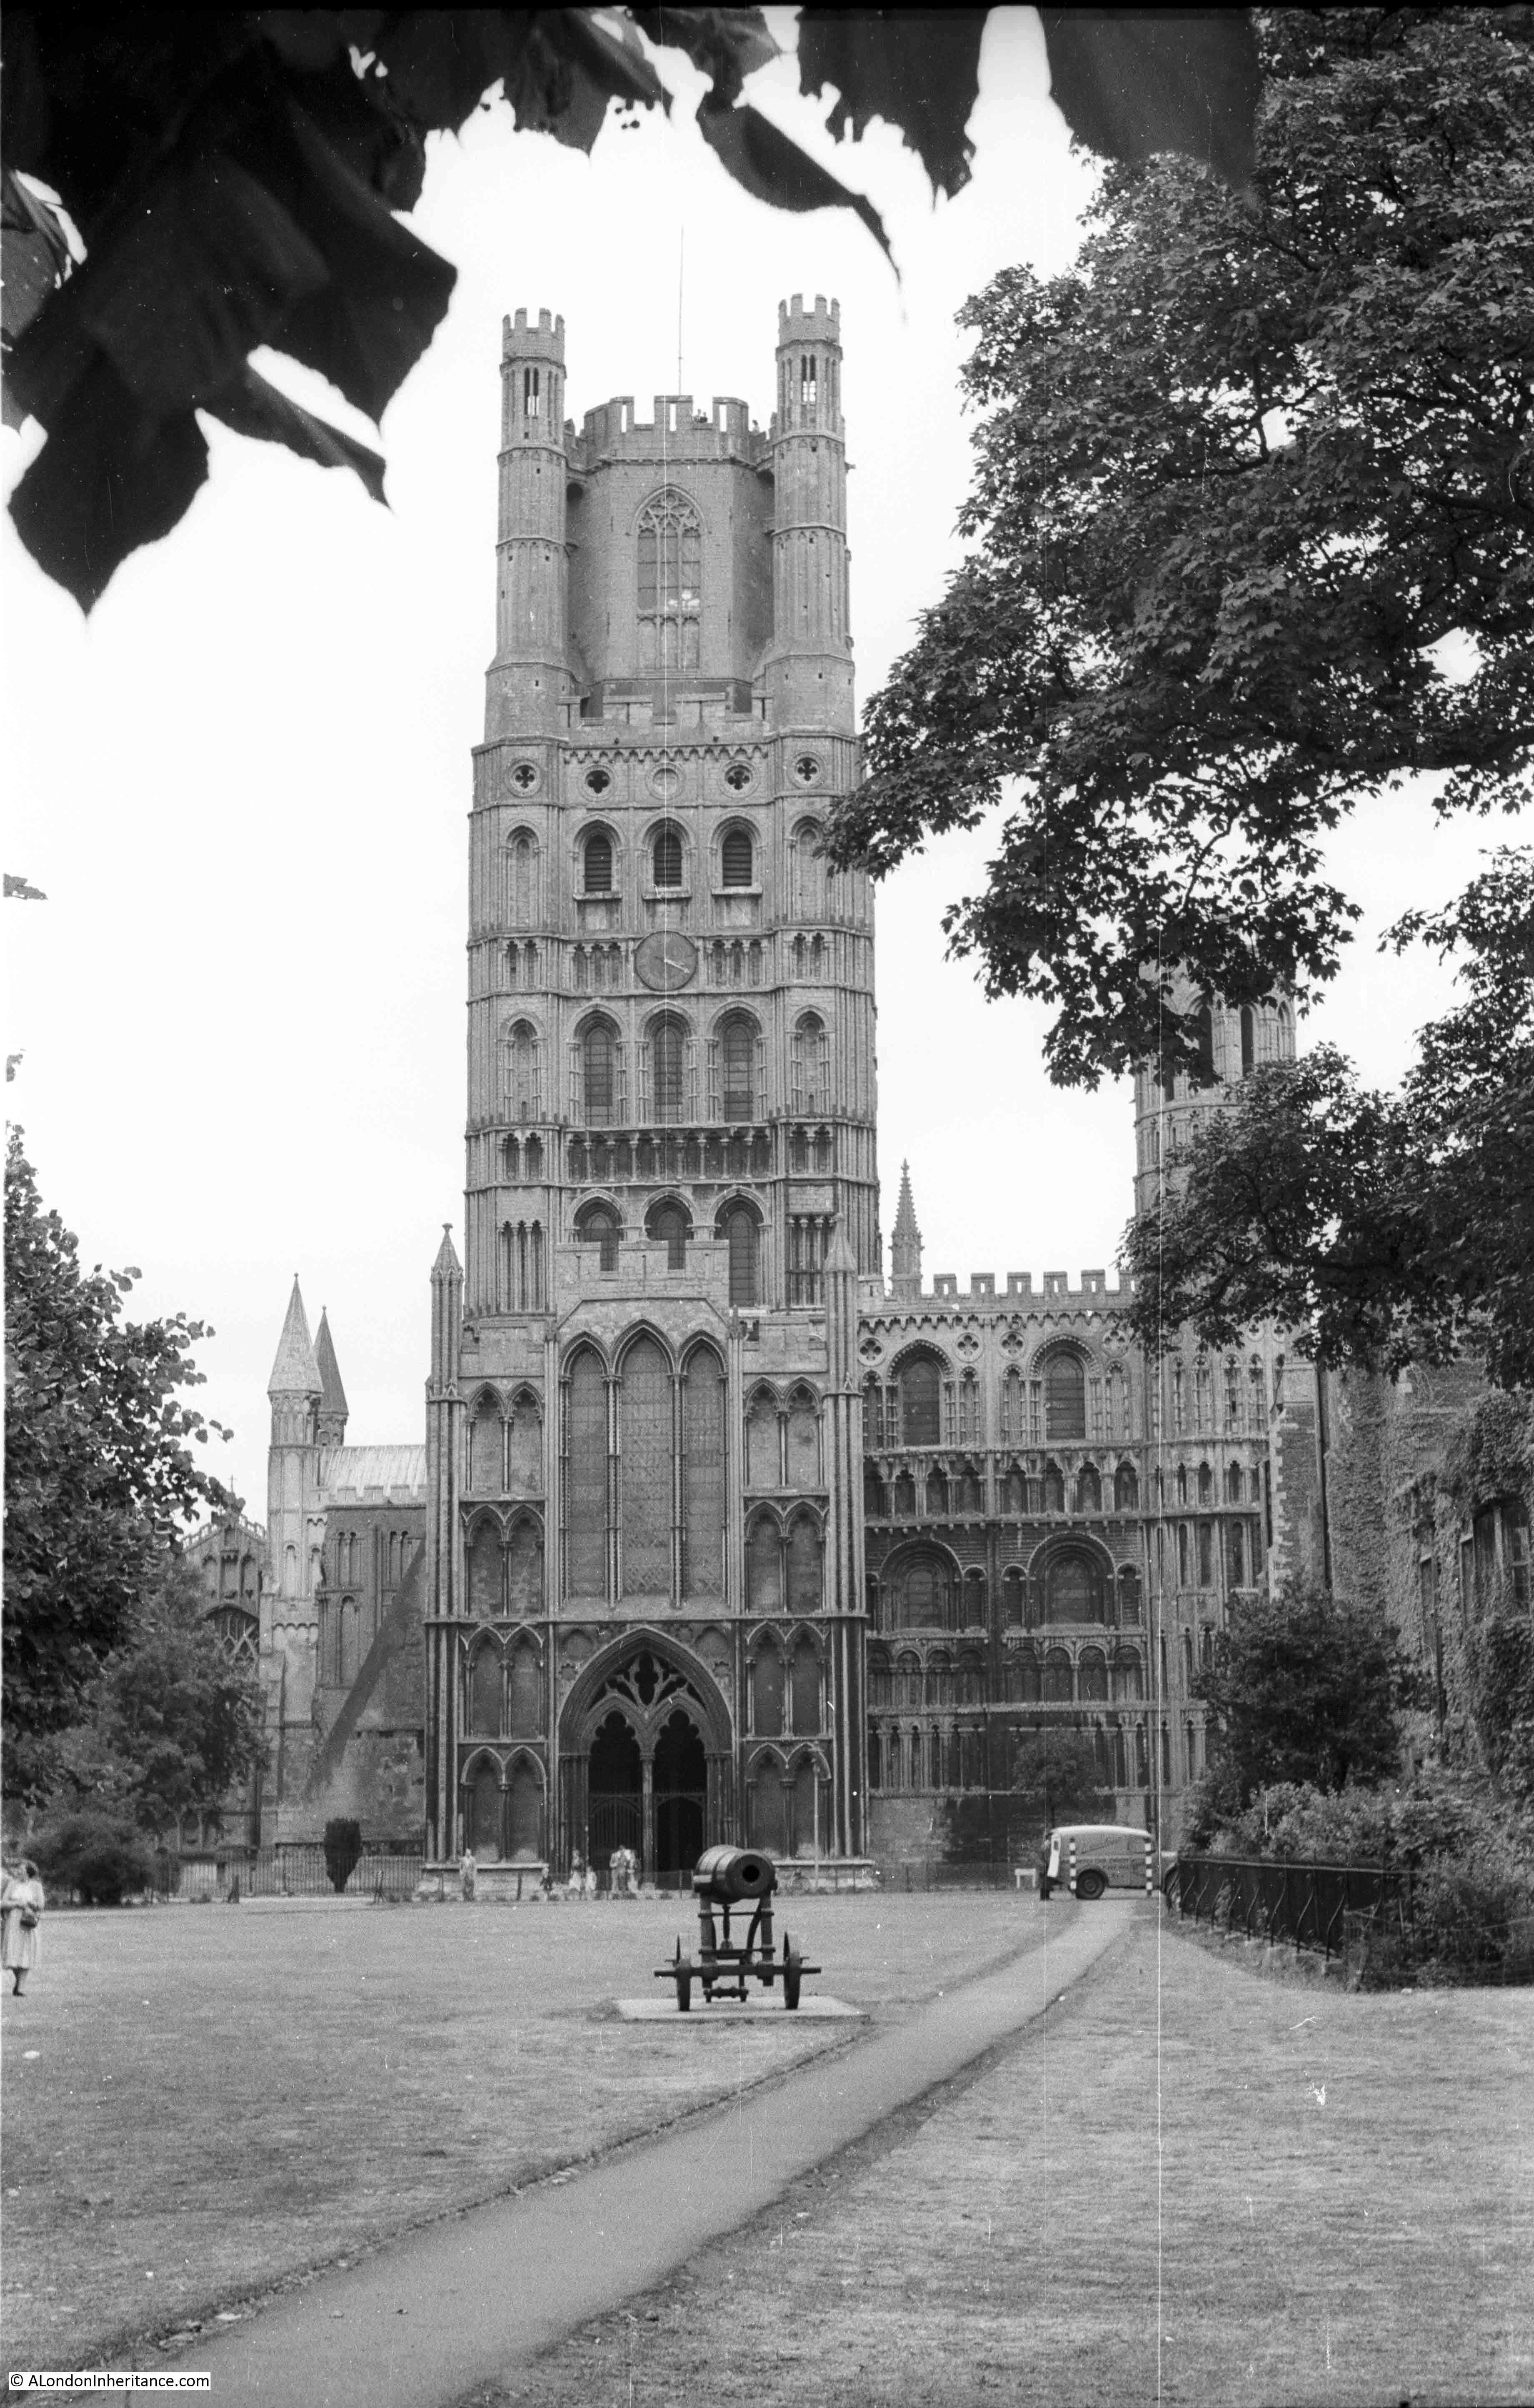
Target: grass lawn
x,y
1345,2186
201,2102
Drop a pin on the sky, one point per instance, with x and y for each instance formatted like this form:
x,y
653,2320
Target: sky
x,y
243,782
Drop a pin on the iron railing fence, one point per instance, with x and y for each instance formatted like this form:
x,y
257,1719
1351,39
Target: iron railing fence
x,y
296,1870
1280,1898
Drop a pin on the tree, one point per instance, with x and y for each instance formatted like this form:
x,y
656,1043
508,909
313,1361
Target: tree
x,y
343,1849
103,1856
1250,527
171,1723
1383,1228
1304,1687
1056,1772
99,1471
233,180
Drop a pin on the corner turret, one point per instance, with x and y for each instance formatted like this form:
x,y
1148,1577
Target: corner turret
x,y
809,666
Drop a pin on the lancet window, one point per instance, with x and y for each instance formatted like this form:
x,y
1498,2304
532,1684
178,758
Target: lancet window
x,y
670,590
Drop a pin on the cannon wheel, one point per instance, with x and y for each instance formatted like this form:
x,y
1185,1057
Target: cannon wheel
x,y
793,1975
682,1973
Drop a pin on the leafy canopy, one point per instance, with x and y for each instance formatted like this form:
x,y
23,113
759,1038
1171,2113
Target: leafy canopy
x,y
233,179
1057,1773
99,1469
1304,1687
1383,1229
1251,517
171,1723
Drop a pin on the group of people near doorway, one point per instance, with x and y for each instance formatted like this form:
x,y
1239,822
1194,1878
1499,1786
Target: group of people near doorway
x,y
623,1866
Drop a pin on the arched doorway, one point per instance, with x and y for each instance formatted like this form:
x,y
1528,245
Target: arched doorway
x,y
615,1816
646,1758
682,1790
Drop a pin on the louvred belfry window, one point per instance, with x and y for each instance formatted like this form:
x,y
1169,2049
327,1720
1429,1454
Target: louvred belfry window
x,y
598,863
671,556
738,858
666,857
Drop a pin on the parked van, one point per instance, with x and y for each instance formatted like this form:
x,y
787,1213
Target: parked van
x,y
1107,1856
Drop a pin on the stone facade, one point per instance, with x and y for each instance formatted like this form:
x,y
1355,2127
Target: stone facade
x,y
716,1534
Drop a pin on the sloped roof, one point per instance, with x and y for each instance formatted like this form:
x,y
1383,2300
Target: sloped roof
x,y
349,1473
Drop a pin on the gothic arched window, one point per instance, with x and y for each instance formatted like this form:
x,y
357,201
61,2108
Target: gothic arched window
x,y
667,1223
522,880
812,1065
809,901
740,1229
668,1066
1249,1038
600,1071
596,1224
1125,1489
524,1100
1065,1397
921,1394
671,561
1073,1587
738,1066
1204,1039
597,863
666,858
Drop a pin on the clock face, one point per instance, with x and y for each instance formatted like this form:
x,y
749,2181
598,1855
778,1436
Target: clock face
x,y
667,960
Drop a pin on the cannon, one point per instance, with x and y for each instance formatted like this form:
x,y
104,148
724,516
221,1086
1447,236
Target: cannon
x,y
726,1881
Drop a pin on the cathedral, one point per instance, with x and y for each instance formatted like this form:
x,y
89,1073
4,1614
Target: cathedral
x,y
715,1532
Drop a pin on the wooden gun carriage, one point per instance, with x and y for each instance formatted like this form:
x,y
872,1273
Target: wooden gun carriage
x,y
725,1881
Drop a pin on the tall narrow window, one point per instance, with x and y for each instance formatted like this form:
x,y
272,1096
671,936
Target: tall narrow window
x,y
599,1065
597,862
586,1443
703,1474
645,1421
1249,1038
667,1057
670,563
1204,1039
737,1062
522,1072
522,880
741,1230
666,858
811,1065
1065,1398
738,858
920,1396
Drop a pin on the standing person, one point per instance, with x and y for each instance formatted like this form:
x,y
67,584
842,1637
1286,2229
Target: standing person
x,y
466,1870
22,1906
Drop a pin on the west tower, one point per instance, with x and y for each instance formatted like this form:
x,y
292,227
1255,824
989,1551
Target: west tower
x,y
646,1425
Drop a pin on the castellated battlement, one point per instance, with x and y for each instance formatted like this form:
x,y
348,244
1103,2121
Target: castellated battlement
x,y
798,325
544,341
678,433
1092,1290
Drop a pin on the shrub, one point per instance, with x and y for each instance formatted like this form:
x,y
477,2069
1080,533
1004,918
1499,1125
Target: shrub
x,y
103,1856
1464,1914
343,1847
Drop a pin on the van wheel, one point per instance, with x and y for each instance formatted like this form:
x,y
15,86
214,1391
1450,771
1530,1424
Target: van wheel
x,y
1091,1884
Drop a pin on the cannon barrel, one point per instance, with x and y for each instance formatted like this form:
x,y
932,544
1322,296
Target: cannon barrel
x,y
731,1875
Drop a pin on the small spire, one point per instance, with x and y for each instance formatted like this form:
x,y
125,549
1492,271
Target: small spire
x,y
906,1243
446,1265
333,1404
295,1372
